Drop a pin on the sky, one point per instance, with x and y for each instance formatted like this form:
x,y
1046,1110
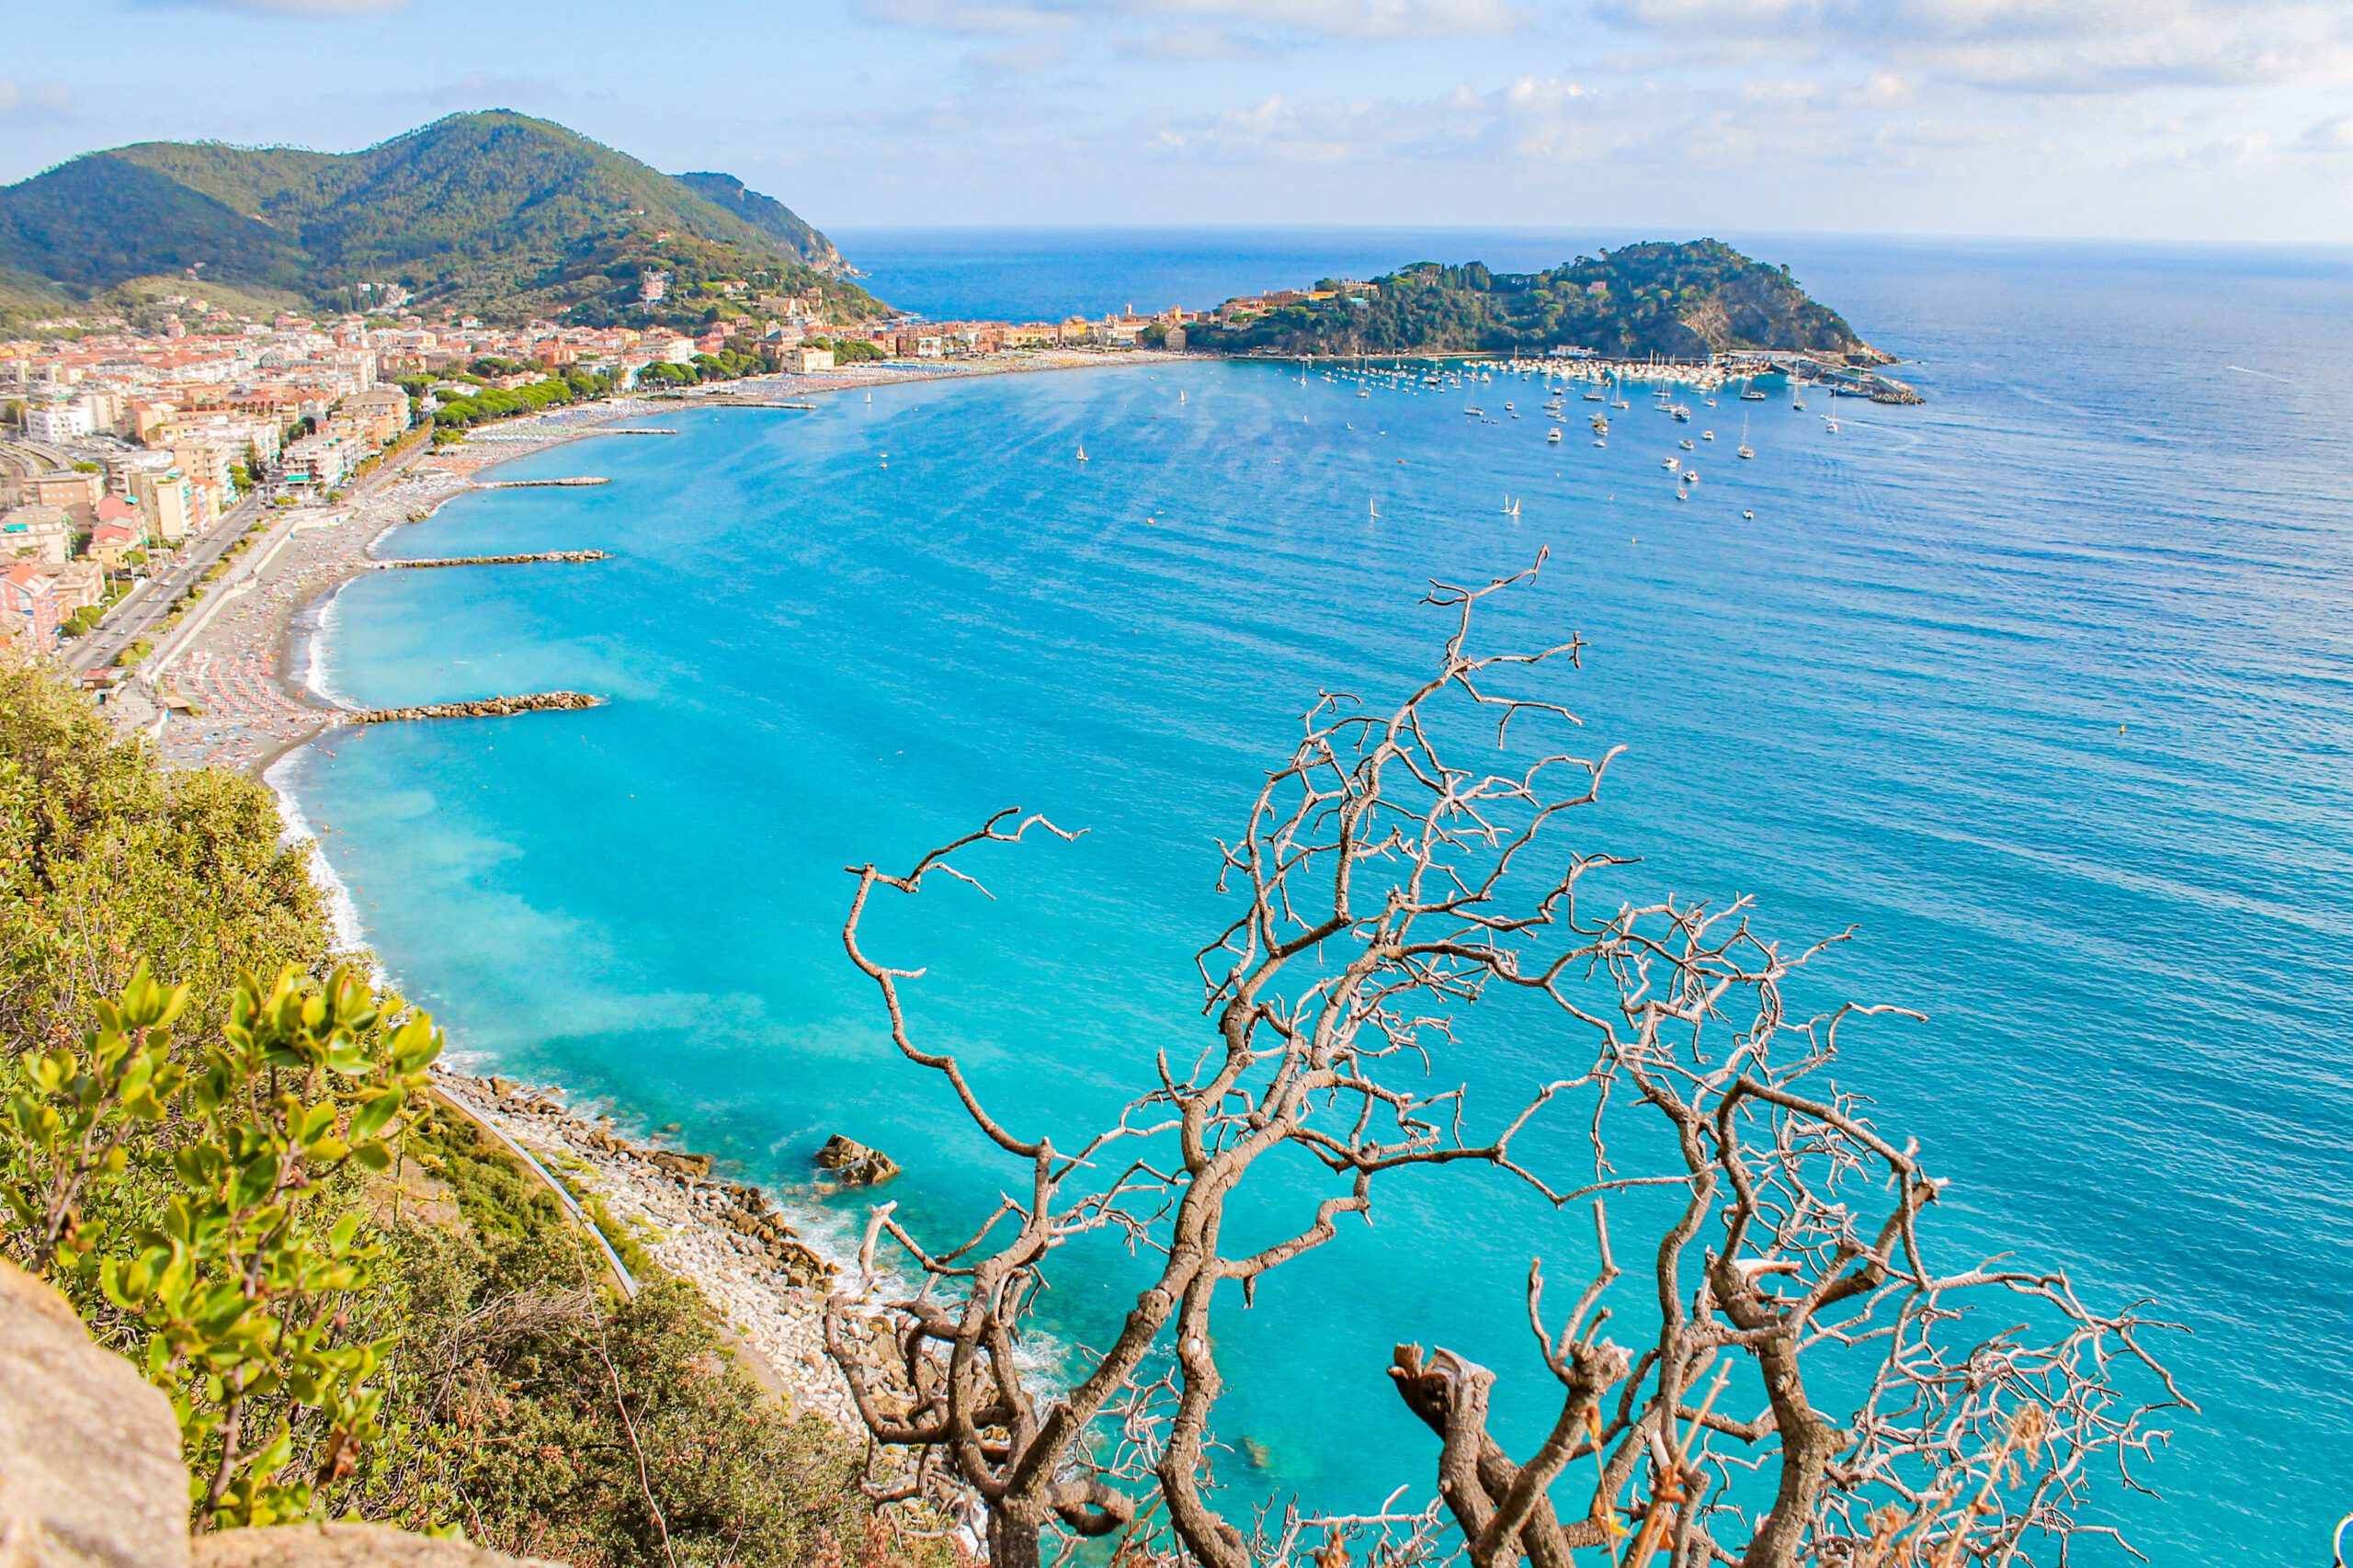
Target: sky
x,y
2160,120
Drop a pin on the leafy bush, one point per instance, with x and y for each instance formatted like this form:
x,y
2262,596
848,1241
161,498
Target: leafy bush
x,y
240,1286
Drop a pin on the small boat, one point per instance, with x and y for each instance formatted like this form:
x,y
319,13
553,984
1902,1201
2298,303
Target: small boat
x,y
1681,493
1364,391
1081,453
1752,395
1685,443
1594,396
1830,423
1744,449
1476,412
1707,435
1747,515
1682,414
1688,476
1554,436
1671,462
1509,407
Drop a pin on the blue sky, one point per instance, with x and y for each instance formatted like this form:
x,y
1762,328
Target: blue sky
x,y
2190,119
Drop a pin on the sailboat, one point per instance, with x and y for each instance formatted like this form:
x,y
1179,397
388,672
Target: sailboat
x,y
1082,451
1180,394
1744,450
1511,507
1372,508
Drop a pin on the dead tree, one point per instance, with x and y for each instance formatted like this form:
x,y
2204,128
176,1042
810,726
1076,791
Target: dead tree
x,y
1794,1266
1382,888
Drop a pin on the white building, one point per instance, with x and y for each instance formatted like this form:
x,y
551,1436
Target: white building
x,y
805,359
59,421
325,459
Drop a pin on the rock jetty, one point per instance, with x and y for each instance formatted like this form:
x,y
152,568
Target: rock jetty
x,y
482,708
487,560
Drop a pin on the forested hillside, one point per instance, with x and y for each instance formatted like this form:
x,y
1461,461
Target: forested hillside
x,y
1676,301
496,213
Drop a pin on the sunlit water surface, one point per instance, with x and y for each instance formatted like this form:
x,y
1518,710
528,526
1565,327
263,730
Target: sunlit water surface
x,y
2044,685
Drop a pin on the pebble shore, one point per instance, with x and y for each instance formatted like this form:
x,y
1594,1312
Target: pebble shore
x,y
722,1237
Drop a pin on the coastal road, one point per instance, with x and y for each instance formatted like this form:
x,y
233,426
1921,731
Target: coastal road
x,y
137,614
134,616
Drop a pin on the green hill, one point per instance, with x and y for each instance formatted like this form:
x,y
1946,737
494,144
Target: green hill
x,y
1677,300
767,214
496,213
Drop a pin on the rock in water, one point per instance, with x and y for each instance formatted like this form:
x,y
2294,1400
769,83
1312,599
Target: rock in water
x,y
854,1162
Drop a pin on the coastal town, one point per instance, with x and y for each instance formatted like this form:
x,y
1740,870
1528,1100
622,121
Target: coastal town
x,y
122,448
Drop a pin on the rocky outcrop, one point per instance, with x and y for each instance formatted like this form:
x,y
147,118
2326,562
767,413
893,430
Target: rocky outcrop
x,y
90,1471
484,708
855,1164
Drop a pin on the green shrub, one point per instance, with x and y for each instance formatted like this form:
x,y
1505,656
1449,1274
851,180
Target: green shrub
x,y
239,1287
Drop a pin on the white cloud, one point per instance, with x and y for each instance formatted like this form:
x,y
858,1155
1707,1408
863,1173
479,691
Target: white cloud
x,y
35,100
295,7
1218,20
2036,45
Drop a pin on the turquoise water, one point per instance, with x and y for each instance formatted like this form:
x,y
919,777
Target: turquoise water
x,y
1893,699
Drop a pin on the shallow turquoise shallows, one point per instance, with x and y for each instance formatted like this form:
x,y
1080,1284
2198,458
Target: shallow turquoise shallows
x,y
2046,686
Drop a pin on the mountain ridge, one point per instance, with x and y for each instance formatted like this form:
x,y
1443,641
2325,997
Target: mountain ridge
x,y
491,211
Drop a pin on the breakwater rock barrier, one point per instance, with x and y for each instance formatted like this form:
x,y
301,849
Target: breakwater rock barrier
x,y
569,480
481,708
487,560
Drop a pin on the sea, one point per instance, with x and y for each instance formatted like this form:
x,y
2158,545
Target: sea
x,y
2044,688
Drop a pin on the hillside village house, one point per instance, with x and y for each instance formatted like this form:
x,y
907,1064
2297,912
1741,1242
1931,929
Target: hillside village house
x,y
168,503
73,492
111,543
29,606
36,533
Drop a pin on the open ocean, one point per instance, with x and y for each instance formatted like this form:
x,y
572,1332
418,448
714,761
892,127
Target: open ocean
x,y
2047,686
